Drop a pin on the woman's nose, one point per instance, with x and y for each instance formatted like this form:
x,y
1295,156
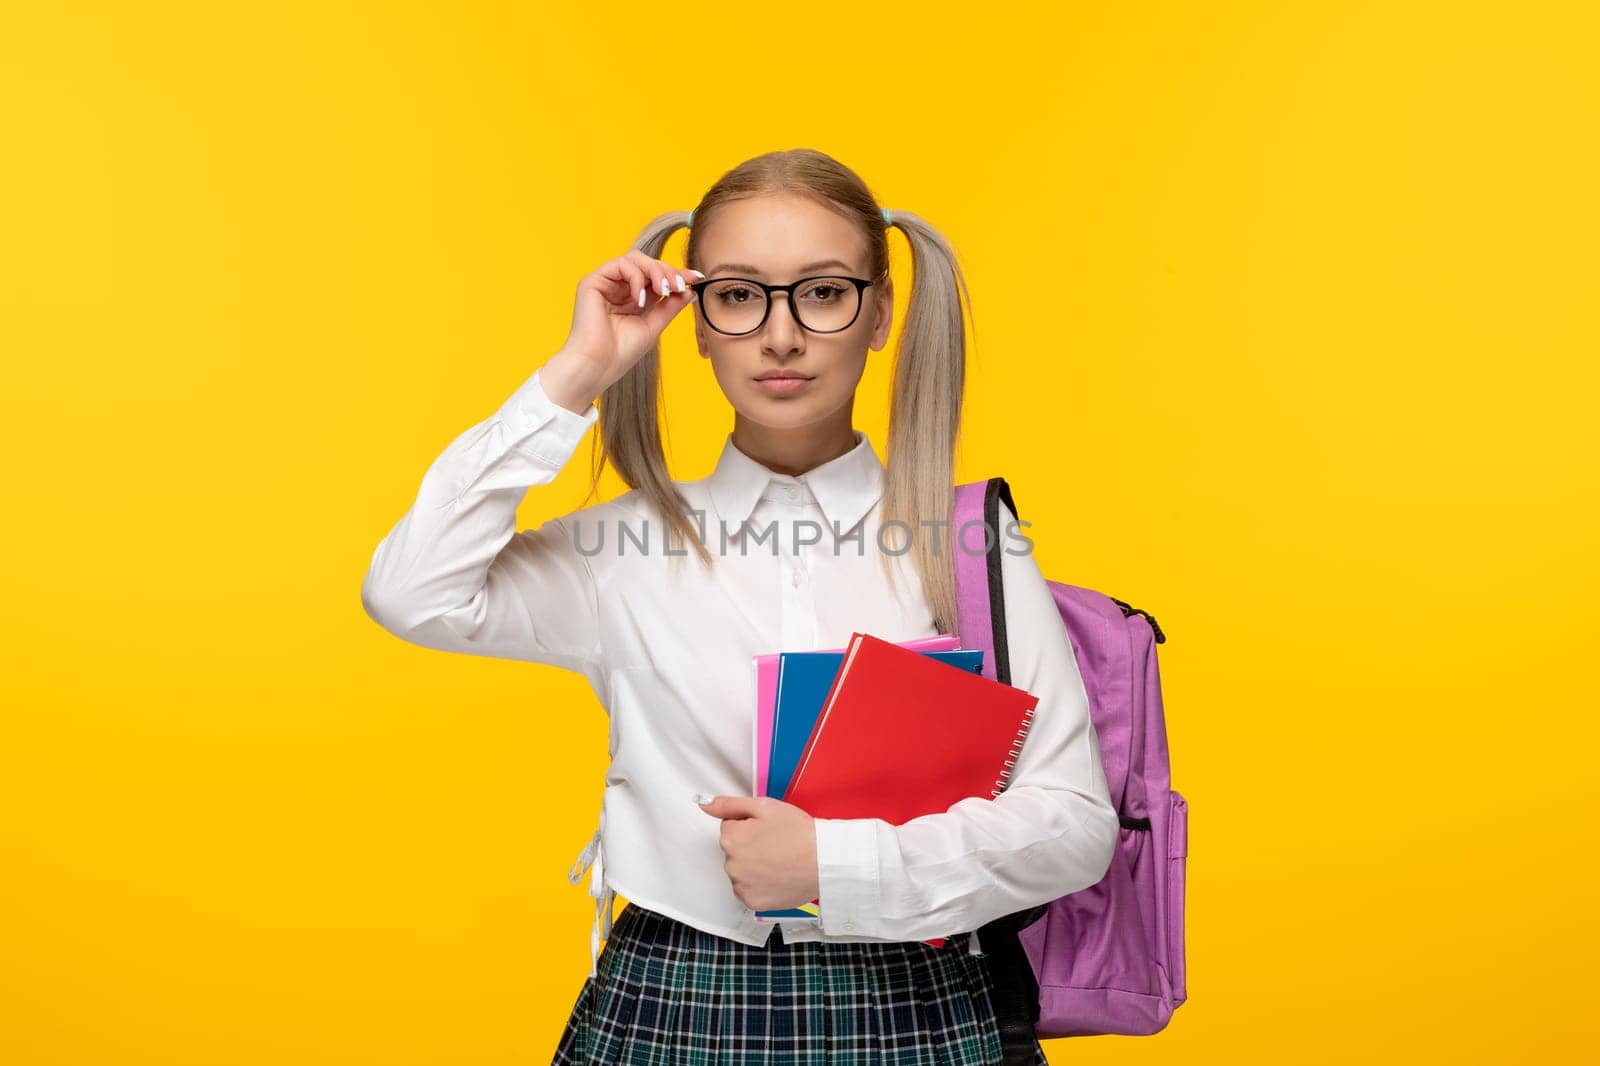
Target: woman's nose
x,y
780,317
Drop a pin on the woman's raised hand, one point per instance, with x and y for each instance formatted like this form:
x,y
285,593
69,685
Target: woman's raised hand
x,y
620,310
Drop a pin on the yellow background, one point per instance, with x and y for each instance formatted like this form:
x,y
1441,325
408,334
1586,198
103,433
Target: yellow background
x,y
1286,333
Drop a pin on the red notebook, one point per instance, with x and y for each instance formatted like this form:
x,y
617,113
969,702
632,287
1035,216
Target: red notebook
x,y
901,735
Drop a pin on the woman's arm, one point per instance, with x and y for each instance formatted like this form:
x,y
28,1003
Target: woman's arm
x,y
455,576
1050,833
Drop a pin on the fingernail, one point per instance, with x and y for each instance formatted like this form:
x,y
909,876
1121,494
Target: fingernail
x,y
666,290
697,273
680,281
703,797
641,297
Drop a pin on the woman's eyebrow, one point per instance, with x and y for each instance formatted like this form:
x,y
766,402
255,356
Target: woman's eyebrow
x,y
748,269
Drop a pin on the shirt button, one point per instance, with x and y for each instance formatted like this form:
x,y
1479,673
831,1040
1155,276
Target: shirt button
x,y
796,579
849,925
792,492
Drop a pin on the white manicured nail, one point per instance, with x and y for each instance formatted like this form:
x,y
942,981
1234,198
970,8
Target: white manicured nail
x,y
666,290
704,797
680,281
641,297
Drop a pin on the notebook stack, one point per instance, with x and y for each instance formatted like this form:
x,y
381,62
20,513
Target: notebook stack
x,y
887,730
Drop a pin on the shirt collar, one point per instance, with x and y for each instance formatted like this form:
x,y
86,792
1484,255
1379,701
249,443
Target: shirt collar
x,y
845,487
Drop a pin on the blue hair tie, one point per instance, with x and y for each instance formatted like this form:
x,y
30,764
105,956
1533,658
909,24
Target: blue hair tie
x,y
888,219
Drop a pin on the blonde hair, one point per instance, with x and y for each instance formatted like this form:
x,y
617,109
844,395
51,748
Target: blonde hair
x,y
929,370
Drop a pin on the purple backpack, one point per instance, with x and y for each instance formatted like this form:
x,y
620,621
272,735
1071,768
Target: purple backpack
x,y
1108,958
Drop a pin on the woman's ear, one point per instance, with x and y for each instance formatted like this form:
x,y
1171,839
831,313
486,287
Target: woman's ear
x,y
884,305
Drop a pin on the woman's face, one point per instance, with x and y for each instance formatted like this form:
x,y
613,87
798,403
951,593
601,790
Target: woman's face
x,y
779,239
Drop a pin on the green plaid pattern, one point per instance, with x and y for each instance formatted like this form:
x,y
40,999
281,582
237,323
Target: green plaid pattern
x,y
668,994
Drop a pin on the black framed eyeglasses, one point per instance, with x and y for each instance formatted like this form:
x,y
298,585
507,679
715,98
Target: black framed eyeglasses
x,y
823,304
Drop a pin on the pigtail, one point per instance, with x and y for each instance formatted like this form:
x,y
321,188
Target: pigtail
x,y
925,416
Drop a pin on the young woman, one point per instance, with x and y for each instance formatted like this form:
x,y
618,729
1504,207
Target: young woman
x,y
660,597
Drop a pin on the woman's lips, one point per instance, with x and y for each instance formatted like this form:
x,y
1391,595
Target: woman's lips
x,y
781,386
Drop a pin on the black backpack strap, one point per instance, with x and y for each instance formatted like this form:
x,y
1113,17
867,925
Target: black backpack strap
x,y
1015,989
996,491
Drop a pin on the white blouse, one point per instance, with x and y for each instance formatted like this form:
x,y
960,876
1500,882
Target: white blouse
x,y
667,647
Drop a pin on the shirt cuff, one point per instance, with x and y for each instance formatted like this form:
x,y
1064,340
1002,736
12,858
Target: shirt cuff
x,y
540,426
847,875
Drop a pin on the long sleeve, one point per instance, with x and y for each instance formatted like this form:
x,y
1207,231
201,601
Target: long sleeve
x,y
454,575
1051,832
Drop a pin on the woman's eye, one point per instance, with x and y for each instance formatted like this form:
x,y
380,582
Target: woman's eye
x,y
823,293
734,294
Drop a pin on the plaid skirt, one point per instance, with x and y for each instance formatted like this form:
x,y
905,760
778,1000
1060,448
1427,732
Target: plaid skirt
x,y
667,994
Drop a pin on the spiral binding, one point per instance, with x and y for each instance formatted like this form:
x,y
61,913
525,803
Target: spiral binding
x,y
1016,750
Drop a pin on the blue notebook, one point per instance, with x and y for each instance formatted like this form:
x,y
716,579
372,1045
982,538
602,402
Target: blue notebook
x,y
804,678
